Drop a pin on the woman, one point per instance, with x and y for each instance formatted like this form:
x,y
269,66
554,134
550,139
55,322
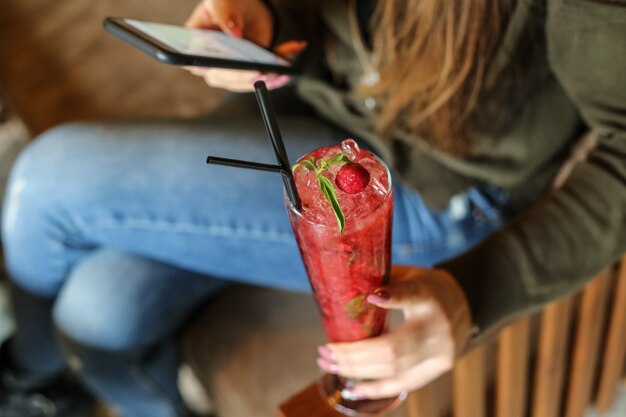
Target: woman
x,y
114,234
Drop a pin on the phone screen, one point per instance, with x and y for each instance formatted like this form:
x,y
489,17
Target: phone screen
x,y
208,43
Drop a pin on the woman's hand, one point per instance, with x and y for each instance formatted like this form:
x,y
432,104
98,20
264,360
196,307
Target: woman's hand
x,y
437,327
247,19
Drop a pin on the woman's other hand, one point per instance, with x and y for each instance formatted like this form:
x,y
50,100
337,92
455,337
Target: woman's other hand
x,y
247,19
436,329
244,19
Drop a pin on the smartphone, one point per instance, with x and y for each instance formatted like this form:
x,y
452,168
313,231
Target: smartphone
x,y
178,45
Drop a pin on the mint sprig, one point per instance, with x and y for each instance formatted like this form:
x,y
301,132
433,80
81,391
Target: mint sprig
x,y
326,185
356,306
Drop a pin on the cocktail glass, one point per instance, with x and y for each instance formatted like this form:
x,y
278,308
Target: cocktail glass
x,y
345,266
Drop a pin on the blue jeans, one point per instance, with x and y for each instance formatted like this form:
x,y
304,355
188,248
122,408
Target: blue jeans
x,y
115,233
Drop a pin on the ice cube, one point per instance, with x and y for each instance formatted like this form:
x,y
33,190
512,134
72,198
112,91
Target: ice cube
x,y
378,186
378,174
350,148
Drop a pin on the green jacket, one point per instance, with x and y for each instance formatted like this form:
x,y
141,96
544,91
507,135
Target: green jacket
x,y
573,81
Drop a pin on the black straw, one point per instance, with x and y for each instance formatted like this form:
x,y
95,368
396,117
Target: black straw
x,y
271,125
243,164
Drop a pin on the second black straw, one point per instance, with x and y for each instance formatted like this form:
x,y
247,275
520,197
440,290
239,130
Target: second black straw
x,y
271,125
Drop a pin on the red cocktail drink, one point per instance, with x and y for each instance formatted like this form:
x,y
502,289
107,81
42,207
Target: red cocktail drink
x,y
346,259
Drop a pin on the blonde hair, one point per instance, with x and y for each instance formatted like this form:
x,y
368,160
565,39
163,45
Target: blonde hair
x,y
432,57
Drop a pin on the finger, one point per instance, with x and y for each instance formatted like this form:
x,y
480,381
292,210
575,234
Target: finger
x,y
232,80
370,371
273,81
221,16
240,86
231,75
405,347
198,71
413,379
233,25
379,349
227,18
201,19
399,295
289,50
374,369
225,79
385,351
404,272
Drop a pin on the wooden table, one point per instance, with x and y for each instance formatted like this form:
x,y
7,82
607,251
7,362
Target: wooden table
x,y
307,403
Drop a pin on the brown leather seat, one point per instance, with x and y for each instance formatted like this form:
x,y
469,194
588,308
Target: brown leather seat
x,y
252,348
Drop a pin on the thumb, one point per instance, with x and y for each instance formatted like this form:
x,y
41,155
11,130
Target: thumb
x,y
228,18
397,295
232,25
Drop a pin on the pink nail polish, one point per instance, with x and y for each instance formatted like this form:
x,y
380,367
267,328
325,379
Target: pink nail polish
x,y
234,30
379,296
327,362
382,293
374,299
259,78
328,365
237,33
326,352
278,82
353,395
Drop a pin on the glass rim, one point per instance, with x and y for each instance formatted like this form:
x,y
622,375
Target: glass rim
x,y
389,190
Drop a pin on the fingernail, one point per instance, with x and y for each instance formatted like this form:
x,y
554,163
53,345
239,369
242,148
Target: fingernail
x,y
328,365
379,296
302,44
353,395
233,29
281,81
259,78
326,352
328,362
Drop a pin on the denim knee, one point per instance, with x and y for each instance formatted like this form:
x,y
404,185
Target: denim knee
x,y
31,230
97,315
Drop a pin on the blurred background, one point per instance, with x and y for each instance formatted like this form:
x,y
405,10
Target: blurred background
x,y
58,65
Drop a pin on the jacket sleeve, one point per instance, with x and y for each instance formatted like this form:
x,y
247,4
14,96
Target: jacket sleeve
x,y
575,231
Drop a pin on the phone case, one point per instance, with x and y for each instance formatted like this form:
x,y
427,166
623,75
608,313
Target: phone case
x,y
119,28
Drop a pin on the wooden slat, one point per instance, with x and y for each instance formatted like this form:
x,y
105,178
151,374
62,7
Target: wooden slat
x,y
469,384
512,369
552,358
615,350
587,345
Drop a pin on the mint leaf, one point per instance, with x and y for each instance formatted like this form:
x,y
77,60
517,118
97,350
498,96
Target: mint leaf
x,y
326,185
328,190
307,163
355,307
340,158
